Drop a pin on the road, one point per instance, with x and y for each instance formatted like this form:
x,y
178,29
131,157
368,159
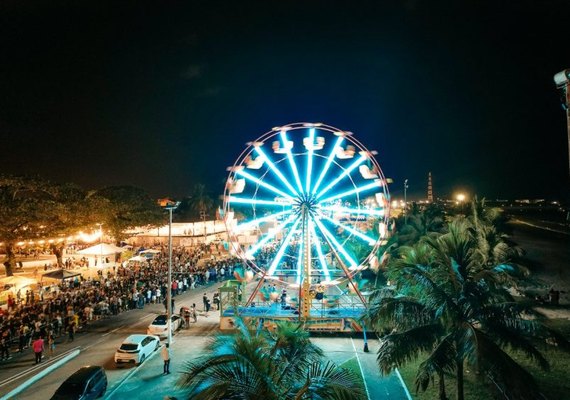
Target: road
x,y
97,347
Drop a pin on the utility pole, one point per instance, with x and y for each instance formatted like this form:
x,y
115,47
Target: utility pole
x,y
406,201
429,189
171,206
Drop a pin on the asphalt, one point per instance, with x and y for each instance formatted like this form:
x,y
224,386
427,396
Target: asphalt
x,y
188,344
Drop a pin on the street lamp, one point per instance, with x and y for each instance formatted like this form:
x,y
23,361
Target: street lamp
x,y
562,80
171,206
406,201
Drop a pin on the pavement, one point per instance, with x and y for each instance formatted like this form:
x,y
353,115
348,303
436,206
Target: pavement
x,y
188,343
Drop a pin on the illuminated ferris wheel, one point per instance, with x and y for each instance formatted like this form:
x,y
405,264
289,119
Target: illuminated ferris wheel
x,y
306,205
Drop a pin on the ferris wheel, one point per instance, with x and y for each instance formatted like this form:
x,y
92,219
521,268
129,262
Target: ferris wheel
x,y
306,205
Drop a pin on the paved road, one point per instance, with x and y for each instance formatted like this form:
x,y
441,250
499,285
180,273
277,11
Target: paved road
x,y
97,347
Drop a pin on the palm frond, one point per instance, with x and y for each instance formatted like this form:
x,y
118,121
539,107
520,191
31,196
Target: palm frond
x,y
399,348
441,360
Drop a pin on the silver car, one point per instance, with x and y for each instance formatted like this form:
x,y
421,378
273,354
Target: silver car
x,y
136,349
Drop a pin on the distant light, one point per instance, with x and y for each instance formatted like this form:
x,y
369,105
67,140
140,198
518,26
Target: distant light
x,y
460,197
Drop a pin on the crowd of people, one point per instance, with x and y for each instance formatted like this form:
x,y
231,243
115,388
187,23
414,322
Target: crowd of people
x,y
71,306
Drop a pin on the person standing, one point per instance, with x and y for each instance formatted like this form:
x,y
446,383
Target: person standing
x,y
71,331
205,300
194,312
216,300
165,353
38,347
51,343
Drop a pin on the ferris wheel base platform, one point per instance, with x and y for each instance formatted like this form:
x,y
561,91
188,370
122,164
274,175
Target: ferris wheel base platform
x,y
326,320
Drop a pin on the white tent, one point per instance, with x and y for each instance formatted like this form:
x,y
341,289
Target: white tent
x,y
138,259
101,249
150,251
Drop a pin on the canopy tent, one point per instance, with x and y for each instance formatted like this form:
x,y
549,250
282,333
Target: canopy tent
x,y
149,251
60,274
138,259
101,249
17,281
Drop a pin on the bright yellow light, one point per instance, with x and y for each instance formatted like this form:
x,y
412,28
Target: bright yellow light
x,y
89,238
460,197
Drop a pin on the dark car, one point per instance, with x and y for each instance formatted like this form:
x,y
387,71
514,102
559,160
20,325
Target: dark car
x,y
87,383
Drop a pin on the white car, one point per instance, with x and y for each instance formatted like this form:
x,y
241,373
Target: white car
x,y
136,349
159,327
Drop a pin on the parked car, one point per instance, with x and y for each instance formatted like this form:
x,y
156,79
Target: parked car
x,y
159,327
136,348
88,382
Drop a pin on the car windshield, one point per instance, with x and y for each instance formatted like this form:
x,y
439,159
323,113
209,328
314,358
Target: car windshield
x,y
160,320
129,346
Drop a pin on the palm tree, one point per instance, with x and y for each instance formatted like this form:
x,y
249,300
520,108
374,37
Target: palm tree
x,y
200,201
453,304
264,365
420,222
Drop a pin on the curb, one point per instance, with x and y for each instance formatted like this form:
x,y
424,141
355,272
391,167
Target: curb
x,y
41,374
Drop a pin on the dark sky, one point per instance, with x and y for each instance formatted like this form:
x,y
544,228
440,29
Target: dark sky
x,y
165,94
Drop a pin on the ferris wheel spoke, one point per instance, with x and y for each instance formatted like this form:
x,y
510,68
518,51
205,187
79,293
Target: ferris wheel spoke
x,y
241,200
252,178
270,236
276,170
310,160
282,249
358,211
350,229
352,263
373,185
327,164
347,171
292,164
255,222
320,253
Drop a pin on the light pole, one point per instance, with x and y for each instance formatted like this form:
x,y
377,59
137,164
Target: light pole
x,y
171,206
406,201
562,80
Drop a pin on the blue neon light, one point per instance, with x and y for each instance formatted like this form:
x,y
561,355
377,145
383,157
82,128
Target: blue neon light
x,y
347,171
282,249
310,160
276,171
252,178
291,161
371,185
320,254
328,163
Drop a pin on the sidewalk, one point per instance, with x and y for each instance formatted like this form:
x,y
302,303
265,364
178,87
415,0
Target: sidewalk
x,y
188,344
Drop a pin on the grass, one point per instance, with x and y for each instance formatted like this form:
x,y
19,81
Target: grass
x,y
554,384
353,366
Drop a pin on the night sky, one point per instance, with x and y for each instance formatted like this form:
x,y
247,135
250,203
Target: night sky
x,y
164,94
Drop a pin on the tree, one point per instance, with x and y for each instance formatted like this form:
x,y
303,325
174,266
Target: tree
x,y
125,207
263,365
452,304
421,221
32,209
